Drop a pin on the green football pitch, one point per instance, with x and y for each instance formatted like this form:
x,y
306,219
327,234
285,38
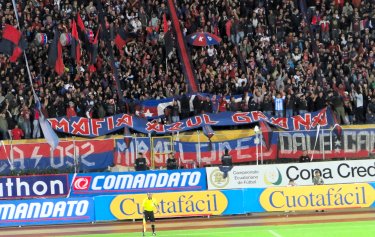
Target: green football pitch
x,y
331,229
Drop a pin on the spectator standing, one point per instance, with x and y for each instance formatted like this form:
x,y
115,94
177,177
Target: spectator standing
x,y
140,163
358,100
36,127
171,162
175,111
24,121
317,179
71,111
279,104
289,105
304,157
17,133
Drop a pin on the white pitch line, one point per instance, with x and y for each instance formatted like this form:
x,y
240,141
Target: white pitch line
x,y
274,233
166,234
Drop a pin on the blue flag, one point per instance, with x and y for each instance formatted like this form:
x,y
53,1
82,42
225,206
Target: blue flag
x,y
50,135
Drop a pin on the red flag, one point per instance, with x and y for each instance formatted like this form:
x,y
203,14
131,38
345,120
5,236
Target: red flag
x,y
59,67
120,39
12,43
165,23
75,45
55,59
127,137
80,23
266,133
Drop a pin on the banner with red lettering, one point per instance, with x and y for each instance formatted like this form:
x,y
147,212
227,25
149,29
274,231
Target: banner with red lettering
x,y
97,127
88,155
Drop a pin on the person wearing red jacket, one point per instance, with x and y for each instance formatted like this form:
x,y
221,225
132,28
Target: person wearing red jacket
x,y
17,133
71,111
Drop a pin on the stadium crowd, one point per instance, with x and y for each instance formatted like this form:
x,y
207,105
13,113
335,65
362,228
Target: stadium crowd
x,y
284,57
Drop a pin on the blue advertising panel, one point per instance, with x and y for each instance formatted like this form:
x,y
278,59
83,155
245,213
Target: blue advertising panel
x,y
13,187
235,202
251,200
93,184
46,211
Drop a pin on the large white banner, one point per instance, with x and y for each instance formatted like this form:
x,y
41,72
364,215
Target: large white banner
x,y
261,176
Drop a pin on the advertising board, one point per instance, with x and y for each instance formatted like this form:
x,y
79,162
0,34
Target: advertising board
x,y
138,182
46,211
318,197
33,186
250,176
176,204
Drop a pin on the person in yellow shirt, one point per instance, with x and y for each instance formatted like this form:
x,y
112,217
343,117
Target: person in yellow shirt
x,y
148,207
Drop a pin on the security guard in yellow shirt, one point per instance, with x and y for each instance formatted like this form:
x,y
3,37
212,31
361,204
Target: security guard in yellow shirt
x,y
148,207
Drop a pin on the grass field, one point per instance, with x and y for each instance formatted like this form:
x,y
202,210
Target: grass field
x,y
332,229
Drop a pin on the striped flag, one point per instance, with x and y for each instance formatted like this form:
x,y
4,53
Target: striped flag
x,y
12,43
75,45
55,58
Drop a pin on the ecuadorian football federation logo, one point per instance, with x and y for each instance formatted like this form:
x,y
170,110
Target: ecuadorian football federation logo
x,y
217,179
273,177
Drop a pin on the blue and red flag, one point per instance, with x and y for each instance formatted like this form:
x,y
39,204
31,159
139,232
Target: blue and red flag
x,y
75,45
55,56
12,43
266,133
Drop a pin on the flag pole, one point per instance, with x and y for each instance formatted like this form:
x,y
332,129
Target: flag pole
x,y
46,127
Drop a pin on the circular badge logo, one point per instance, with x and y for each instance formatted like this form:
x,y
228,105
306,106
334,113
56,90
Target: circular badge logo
x,y
81,183
217,179
273,177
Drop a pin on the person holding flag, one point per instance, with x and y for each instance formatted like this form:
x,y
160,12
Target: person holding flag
x,y
148,208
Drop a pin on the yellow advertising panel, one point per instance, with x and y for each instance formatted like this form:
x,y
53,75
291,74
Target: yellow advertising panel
x,y
319,197
171,204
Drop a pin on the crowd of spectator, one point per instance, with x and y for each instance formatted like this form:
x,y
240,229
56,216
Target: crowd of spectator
x,y
284,57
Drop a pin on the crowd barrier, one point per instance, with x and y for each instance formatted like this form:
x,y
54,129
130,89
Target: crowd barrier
x,y
187,204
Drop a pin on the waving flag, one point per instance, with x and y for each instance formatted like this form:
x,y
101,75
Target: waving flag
x,y
266,133
75,45
123,37
55,58
165,23
80,23
127,137
50,135
13,43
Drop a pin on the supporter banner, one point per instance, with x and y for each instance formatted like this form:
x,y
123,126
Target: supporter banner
x,y
97,127
319,197
46,211
354,143
241,150
251,176
138,182
90,155
36,186
177,204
